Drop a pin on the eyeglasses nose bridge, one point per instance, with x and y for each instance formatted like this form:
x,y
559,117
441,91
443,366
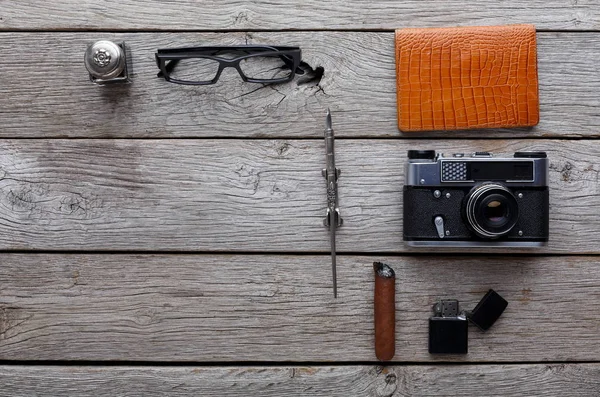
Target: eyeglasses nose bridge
x,y
230,63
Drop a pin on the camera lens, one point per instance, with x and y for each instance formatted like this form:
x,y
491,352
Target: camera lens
x,y
490,210
495,211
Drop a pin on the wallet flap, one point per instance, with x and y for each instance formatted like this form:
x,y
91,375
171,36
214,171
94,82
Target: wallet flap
x,y
466,77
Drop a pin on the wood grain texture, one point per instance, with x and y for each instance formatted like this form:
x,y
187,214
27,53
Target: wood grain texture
x,y
268,196
332,381
279,14
257,195
219,308
45,90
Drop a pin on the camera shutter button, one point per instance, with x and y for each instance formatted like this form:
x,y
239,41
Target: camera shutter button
x,y
439,225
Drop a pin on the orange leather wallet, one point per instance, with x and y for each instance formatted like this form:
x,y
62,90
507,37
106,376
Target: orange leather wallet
x,y
466,77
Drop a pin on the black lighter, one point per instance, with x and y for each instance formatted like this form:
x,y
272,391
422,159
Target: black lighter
x,y
449,328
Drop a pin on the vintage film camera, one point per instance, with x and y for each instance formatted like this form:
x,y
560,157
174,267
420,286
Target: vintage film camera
x,y
476,200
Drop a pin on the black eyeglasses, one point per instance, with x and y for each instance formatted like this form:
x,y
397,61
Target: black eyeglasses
x,y
204,65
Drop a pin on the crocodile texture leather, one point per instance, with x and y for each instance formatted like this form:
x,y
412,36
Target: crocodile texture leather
x,y
466,77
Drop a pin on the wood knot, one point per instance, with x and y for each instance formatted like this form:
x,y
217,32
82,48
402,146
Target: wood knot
x,y
389,385
282,148
565,171
10,319
248,177
146,317
241,18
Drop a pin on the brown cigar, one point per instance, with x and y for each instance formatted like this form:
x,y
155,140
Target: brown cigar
x,y
385,311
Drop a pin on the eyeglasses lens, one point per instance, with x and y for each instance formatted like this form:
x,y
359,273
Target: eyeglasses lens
x,y
265,67
195,69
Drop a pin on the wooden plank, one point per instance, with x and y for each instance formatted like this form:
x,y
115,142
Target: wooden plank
x,y
47,95
279,14
331,381
239,195
218,308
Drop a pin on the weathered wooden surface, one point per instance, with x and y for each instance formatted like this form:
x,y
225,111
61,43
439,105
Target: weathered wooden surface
x,y
239,195
45,90
393,381
266,197
280,14
219,308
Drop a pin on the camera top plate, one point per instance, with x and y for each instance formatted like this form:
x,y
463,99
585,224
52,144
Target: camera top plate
x,y
528,169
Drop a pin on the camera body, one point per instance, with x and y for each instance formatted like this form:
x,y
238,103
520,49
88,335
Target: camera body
x,y
476,200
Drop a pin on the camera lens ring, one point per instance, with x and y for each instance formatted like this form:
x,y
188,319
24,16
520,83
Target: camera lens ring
x,y
489,198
